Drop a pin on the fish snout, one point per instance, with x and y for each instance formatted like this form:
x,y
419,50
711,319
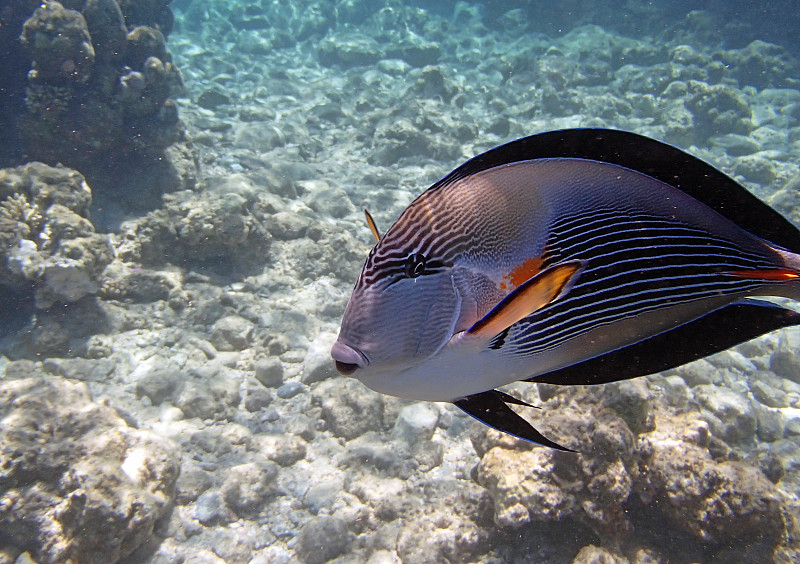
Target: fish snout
x,y
347,359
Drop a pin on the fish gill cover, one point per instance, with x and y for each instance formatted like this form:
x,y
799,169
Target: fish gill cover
x,y
173,352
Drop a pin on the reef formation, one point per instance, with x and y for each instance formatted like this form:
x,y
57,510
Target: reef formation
x,y
88,84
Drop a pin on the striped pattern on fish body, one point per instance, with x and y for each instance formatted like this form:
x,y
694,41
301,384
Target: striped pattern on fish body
x,y
676,252
516,266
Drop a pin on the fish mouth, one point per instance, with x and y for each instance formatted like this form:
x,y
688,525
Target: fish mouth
x,y
347,358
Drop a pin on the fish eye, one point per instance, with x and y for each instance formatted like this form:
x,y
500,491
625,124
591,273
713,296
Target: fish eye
x,y
415,265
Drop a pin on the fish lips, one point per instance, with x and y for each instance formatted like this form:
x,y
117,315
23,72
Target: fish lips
x,y
347,358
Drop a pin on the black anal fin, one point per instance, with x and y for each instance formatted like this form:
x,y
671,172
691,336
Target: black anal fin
x,y
715,332
490,408
511,399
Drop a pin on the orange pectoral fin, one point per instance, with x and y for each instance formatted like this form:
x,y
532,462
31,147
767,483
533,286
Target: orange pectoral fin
x,y
531,296
776,274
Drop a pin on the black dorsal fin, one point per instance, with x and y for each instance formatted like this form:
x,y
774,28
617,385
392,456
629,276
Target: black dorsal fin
x,y
648,156
715,332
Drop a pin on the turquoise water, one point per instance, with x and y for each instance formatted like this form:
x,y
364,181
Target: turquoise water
x,y
171,293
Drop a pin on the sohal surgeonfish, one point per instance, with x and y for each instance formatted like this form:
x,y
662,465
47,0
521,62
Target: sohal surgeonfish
x,y
581,256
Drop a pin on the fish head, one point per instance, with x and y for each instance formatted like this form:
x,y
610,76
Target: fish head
x,y
404,308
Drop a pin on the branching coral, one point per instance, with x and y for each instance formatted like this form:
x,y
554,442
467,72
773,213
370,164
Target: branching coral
x,y
17,208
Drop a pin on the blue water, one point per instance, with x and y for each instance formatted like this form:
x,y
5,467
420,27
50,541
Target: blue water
x,y
167,391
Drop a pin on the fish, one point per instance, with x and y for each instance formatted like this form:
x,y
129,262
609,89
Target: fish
x,y
570,257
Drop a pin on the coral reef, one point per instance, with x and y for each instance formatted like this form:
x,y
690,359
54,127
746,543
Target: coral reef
x,y
77,482
90,85
48,242
667,468
222,231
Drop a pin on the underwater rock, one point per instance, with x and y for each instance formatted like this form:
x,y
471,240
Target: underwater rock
x,y
139,286
322,495
403,138
290,389
59,44
678,393
83,369
49,242
211,99
765,392
286,226
724,503
433,83
631,400
232,333
317,364
332,254
370,451
755,169
592,554
770,424
269,371
214,396
328,201
735,144
78,483
348,408
257,397
449,533
192,482
644,80
157,378
416,423
107,29
220,231
592,489
698,373
145,42
248,485
415,52
762,64
523,486
322,539
669,468
718,109
210,509
349,50
729,414
282,450
785,363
